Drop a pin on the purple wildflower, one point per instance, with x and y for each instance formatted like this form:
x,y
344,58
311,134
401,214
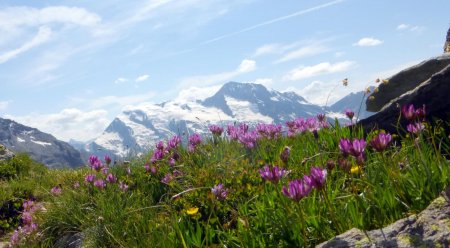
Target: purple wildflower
x,y
269,131
147,167
345,146
167,178
358,147
248,139
154,170
194,141
284,156
123,186
160,145
27,218
381,141
95,163
420,112
172,162
105,170
298,188
216,130
318,177
89,178
349,113
220,192
99,183
111,178
273,174
415,128
56,190
107,160
321,117
173,142
409,112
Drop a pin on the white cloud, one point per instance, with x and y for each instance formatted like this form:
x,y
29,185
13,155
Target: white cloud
x,y
267,49
71,123
402,26
319,69
4,105
41,37
111,101
368,41
13,17
303,52
407,27
197,93
245,66
121,80
142,78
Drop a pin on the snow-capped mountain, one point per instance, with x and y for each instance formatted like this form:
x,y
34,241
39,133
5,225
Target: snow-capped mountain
x,y
138,128
42,147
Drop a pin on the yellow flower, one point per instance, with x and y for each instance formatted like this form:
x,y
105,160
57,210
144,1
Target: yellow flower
x,y
355,170
192,211
345,81
385,81
371,98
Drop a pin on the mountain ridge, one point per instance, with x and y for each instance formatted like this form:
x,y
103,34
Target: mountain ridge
x,y
138,128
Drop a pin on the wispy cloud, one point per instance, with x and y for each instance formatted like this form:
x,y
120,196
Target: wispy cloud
x,y
303,72
14,17
142,78
408,27
196,93
120,80
301,52
41,37
245,66
113,101
272,21
368,41
68,123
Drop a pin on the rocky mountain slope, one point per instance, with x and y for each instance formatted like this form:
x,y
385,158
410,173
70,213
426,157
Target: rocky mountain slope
x,y
138,128
42,147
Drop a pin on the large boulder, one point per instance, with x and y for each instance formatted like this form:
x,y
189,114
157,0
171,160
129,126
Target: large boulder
x,y
5,153
433,93
405,81
430,228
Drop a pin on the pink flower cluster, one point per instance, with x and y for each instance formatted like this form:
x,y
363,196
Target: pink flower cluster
x,y
29,227
415,117
301,125
300,188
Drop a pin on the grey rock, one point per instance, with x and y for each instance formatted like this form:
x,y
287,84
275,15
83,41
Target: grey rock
x,y
42,147
405,81
434,93
71,241
430,228
5,153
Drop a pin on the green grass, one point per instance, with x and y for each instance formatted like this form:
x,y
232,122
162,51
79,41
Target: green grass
x,y
391,185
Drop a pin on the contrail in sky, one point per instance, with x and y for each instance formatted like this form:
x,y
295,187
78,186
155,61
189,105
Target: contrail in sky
x,y
279,19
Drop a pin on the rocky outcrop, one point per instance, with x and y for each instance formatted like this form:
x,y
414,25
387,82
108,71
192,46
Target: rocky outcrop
x,y
434,93
42,147
5,153
405,81
430,228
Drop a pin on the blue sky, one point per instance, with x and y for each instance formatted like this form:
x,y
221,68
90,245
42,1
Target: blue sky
x,y
69,68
